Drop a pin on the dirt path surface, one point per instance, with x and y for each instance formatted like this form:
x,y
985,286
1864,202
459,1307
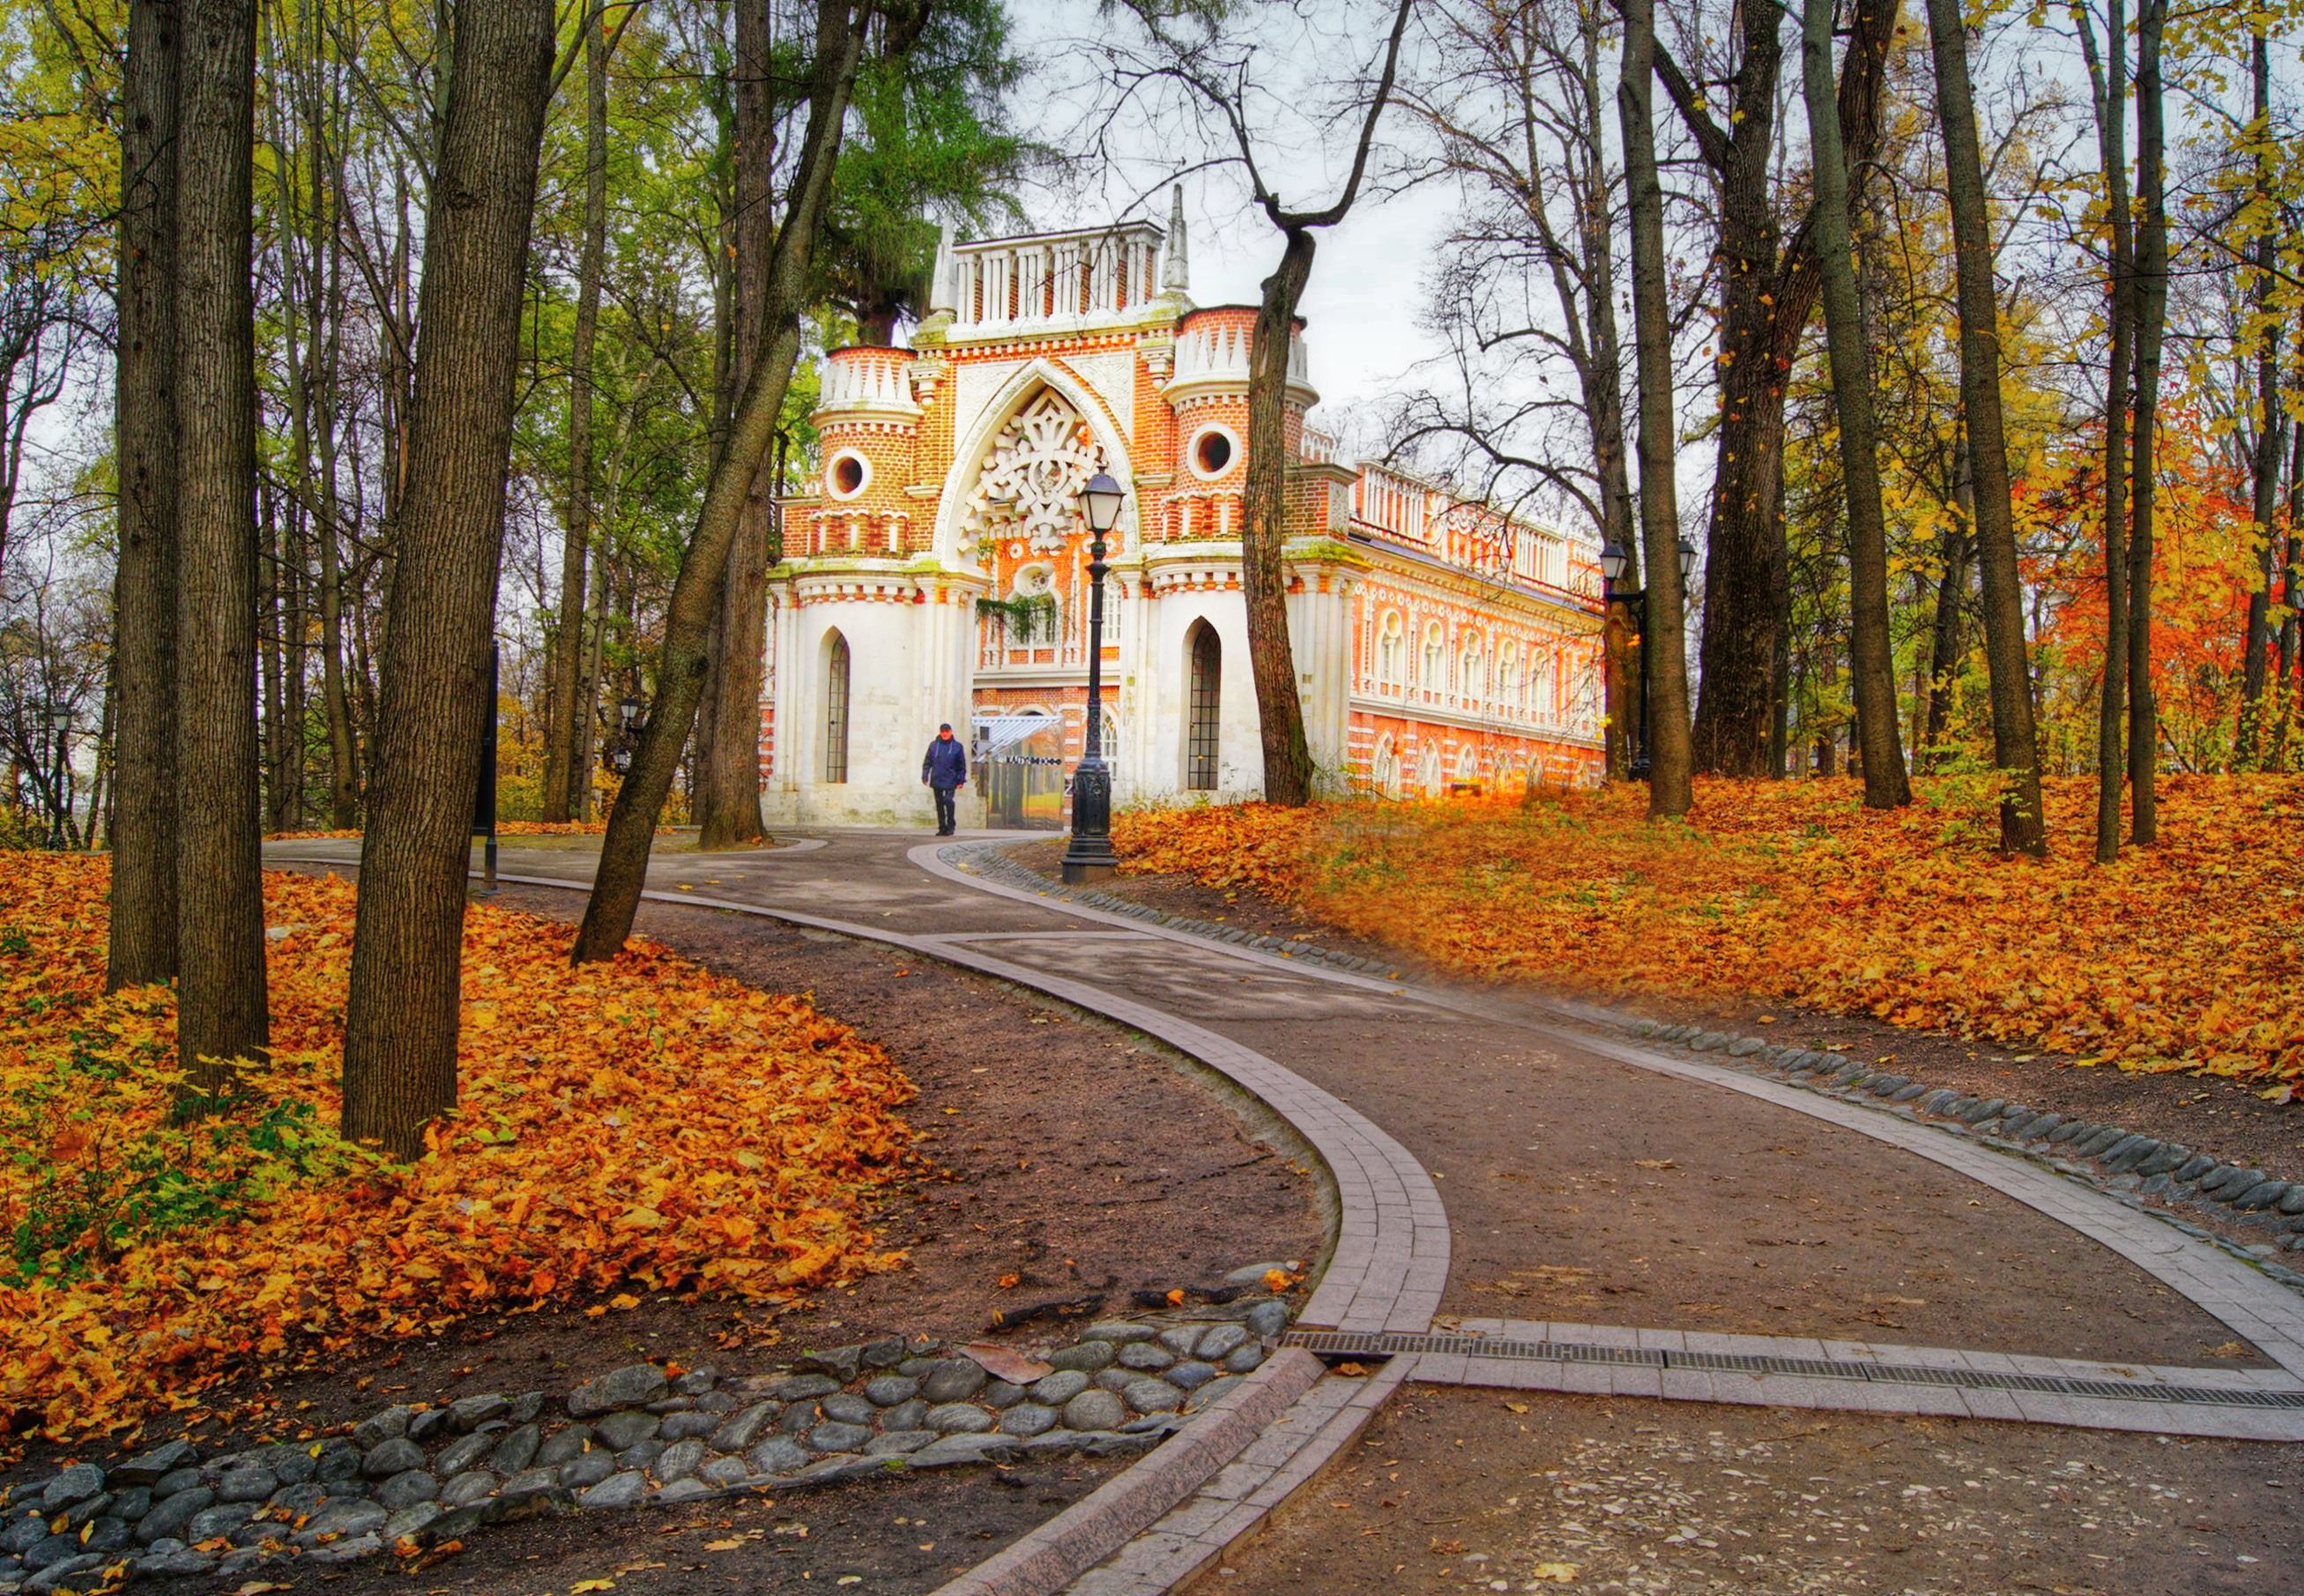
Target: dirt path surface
x,y
1079,1164
1458,1490
1577,1187
1580,1188
2208,1113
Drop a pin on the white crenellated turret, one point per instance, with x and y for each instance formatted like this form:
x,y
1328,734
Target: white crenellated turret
x,y
1211,358
869,380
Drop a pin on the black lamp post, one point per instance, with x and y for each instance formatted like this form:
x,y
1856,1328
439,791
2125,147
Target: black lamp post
x,y
1089,856
1613,561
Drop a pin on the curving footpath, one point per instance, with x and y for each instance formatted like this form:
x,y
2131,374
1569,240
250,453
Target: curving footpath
x,y
1655,1174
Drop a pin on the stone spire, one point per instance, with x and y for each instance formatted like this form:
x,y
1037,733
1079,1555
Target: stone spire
x,y
941,293
1178,277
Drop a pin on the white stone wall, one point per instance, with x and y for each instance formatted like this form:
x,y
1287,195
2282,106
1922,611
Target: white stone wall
x,y
909,669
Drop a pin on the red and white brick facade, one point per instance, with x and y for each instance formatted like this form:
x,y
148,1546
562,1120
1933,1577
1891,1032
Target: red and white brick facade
x,y
1438,643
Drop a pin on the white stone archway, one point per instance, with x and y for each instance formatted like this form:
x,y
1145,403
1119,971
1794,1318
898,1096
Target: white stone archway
x,y
1024,385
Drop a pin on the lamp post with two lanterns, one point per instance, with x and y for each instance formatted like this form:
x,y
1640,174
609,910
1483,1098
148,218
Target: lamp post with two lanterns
x,y
1613,559
1088,856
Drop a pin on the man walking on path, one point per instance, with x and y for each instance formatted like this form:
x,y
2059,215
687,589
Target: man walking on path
x,y
945,770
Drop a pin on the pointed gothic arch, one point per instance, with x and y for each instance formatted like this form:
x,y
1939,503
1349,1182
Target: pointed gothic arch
x,y
1024,387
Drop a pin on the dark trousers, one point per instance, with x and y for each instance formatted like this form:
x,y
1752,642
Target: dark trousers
x,y
947,819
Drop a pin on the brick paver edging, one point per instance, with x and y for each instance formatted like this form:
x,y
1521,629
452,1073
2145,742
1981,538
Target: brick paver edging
x,y
2244,1291
1049,1557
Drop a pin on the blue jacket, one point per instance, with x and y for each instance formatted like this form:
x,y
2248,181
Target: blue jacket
x,y
947,765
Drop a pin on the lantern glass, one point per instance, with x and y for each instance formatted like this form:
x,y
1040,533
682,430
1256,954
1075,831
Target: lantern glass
x,y
1687,562
1613,561
1100,500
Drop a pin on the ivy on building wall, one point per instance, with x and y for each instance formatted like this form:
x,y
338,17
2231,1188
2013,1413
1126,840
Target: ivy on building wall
x,y
1028,615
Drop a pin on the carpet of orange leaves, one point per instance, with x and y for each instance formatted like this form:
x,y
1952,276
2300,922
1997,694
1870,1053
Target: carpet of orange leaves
x,y
638,1126
2187,955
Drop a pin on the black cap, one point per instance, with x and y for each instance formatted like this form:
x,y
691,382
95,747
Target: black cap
x,y
945,727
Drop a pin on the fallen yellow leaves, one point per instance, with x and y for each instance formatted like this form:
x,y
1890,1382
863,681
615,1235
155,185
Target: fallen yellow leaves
x,y
2188,954
637,1127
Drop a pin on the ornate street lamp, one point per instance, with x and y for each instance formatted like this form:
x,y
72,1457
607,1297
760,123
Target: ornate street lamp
x,y
629,726
1613,562
1089,856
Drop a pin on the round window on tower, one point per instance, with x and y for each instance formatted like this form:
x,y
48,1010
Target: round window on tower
x,y
1214,449
847,474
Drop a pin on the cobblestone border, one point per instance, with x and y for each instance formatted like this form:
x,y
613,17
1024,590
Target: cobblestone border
x,y
2127,1166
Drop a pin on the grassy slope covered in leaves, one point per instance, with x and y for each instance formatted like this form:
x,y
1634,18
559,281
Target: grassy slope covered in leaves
x,y
2189,954
641,1124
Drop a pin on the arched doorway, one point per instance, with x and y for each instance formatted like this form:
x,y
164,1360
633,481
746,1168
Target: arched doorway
x,y
1203,732
835,708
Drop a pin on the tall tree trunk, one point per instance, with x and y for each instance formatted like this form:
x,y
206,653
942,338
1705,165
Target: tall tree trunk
x,y
1766,296
2292,597
2151,318
1671,755
728,752
1263,574
271,645
560,758
221,1009
1871,649
2015,741
2108,85
696,590
401,1019
2258,641
143,934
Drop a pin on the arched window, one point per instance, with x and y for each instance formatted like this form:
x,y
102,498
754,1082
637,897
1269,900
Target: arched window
x,y
1391,644
835,709
1435,674
1473,684
1508,672
1467,766
1428,770
1539,687
1383,770
1206,708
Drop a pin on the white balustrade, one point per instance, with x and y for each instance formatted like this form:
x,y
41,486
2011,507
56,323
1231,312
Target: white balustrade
x,y
1053,280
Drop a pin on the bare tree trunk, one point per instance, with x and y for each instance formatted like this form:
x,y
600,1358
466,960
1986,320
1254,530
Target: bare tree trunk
x,y
696,591
1263,575
2292,597
221,1009
2108,85
143,934
2258,641
2015,740
1671,753
728,747
2151,318
400,1019
1870,647
560,759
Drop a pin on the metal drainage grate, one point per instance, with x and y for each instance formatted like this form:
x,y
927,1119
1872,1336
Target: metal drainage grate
x,y
1396,1343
